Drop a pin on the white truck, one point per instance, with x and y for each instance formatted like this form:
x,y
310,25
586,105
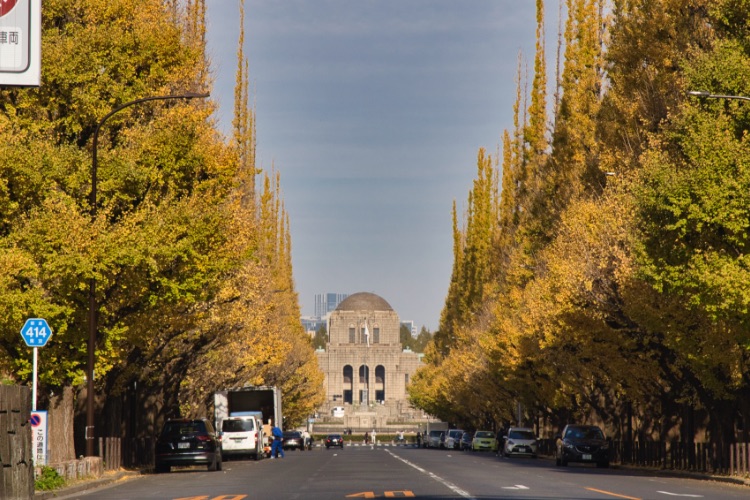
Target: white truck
x,y
240,417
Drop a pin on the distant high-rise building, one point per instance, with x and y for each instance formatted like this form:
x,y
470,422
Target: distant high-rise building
x,y
411,326
327,302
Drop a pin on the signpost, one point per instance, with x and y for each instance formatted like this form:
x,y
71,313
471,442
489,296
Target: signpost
x,y
35,333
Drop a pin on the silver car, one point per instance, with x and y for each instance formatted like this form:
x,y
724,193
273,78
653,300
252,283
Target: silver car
x,y
520,441
436,439
453,439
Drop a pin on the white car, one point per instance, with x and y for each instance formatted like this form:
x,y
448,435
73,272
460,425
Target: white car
x,y
453,439
242,435
520,441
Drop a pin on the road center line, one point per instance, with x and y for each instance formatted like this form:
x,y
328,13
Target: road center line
x,y
455,489
680,494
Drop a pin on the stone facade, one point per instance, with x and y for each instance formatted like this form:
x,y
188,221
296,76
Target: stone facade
x,y
366,369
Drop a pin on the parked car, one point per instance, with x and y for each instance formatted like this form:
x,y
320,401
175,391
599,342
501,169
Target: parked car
x,y
241,435
436,439
520,441
293,440
466,439
187,442
453,439
582,443
334,440
484,441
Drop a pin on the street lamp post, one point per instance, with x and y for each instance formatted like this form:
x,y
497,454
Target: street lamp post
x,y
91,346
708,95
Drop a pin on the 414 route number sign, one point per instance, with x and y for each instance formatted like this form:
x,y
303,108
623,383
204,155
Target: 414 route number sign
x,y
36,332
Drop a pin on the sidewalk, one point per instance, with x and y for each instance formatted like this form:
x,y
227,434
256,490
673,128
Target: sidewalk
x,y
80,485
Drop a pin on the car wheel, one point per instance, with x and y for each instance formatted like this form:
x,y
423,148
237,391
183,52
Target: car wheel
x,y
160,468
219,463
213,465
603,465
558,462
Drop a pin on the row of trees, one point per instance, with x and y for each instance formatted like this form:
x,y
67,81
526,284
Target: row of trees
x,y
192,260
602,266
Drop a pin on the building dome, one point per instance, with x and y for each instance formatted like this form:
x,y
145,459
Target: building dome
x,y
364,301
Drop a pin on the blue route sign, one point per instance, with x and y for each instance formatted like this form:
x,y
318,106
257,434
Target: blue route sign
x,y
36,332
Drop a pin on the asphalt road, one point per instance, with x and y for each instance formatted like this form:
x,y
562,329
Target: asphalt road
x,y
405,472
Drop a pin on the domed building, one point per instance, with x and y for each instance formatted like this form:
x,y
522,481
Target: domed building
x,y
366,369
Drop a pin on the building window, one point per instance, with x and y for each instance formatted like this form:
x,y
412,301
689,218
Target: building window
x,y
406,379
352,332
376,334
380,374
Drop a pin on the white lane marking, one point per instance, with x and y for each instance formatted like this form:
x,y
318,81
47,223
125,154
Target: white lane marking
x,y
516,487
680,494
455,489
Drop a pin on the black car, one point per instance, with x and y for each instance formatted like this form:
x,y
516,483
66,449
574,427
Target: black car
x,y
334,440
187,442
293,440
582,443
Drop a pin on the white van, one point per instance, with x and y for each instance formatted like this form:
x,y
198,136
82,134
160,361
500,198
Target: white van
x,y
242,435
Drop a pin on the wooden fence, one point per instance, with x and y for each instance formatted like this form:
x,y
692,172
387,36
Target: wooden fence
x,y
16,454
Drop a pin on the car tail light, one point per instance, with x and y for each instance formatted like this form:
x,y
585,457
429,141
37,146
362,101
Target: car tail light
x,y
203,437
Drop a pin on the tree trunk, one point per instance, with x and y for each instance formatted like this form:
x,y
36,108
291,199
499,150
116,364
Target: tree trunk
x,y
60,439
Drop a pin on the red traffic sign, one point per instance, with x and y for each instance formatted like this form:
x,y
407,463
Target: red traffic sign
x,y
6,6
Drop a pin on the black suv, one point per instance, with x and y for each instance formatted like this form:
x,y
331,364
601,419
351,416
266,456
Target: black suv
x,y
582,443
187,442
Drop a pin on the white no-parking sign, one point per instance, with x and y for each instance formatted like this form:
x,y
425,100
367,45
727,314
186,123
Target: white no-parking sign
x,y
38,423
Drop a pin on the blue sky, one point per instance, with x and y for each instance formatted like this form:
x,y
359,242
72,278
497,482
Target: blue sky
x,y
373,111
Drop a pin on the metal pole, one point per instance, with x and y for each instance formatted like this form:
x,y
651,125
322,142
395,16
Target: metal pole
x,y
91,345
33,390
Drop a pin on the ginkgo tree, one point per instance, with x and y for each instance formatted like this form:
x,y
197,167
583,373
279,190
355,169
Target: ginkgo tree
x,y
193,269
618,287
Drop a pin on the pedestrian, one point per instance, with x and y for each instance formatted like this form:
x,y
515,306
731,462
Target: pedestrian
x,y
419,439
278,443
374,441
367,438
306,440
401,437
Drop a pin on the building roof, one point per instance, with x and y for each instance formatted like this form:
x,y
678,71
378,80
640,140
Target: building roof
x,y
364,301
